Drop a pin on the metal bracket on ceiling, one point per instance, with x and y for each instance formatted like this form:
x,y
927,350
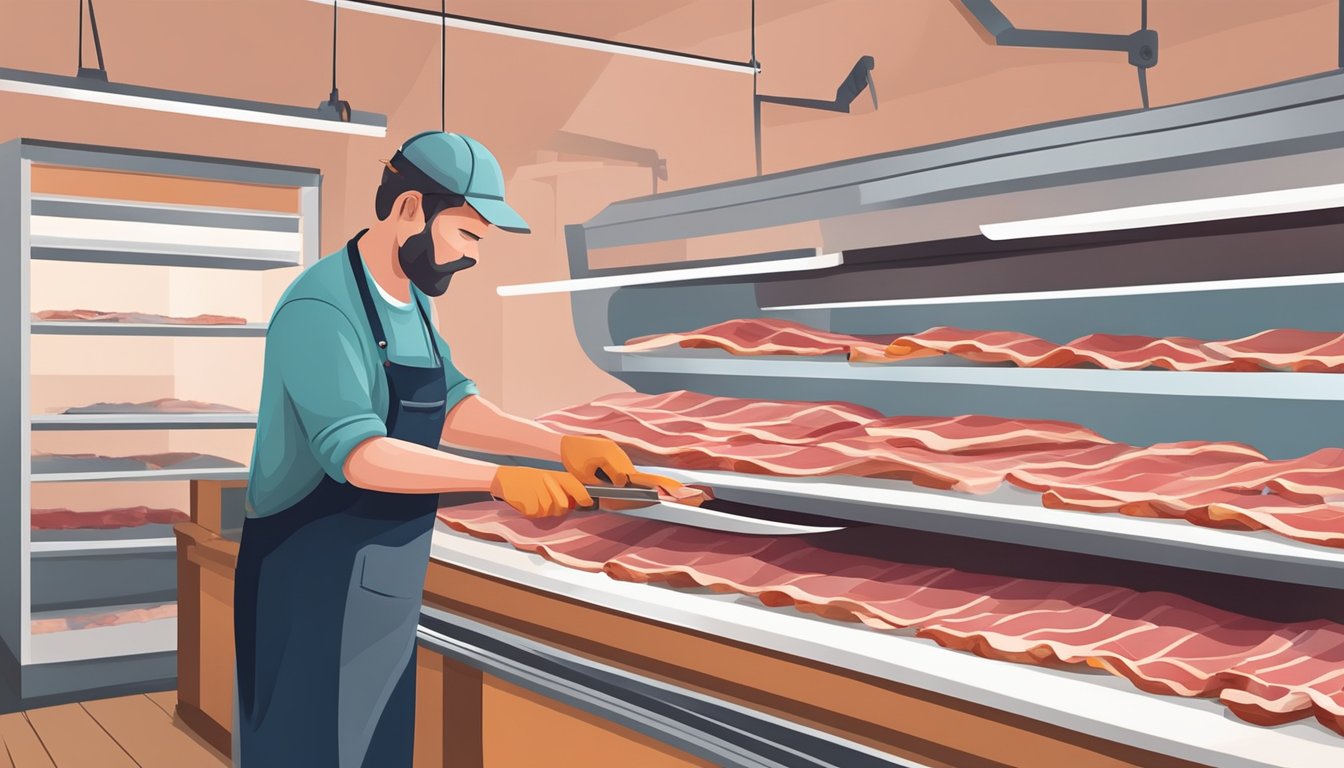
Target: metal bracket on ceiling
x,y
101,72
859,78
1140,46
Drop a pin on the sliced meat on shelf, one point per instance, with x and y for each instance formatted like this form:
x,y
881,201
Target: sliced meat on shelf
x,y
1287,349
162,405
979,346
1214,484
53,463
1266,673
768,336
101,316
107,618
1102,350
124,517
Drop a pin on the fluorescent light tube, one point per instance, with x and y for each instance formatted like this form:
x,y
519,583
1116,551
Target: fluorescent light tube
x,y
542,36
177,102
818,261
1180,212
1332,278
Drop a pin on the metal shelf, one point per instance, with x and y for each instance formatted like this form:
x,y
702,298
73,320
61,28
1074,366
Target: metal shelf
x,y
222,473
1267,385
157,636
130,253
83,328
1015,516
103,547
56,422
1100,705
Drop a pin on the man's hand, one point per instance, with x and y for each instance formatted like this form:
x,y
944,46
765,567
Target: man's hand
x,y
539,492
584,455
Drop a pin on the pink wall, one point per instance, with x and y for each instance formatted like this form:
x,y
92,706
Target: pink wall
x,y
936,77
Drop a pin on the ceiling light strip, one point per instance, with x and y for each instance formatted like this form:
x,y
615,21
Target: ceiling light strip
x,y
196,105
542,36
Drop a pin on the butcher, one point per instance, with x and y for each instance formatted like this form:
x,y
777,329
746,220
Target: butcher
x,y
358,392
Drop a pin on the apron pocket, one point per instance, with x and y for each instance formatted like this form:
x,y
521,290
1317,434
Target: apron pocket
x,y
412,405
392,571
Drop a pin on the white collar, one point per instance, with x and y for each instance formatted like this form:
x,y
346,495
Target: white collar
x,y
389,298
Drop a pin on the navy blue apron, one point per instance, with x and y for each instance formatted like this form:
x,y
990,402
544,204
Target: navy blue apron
x,y
328,596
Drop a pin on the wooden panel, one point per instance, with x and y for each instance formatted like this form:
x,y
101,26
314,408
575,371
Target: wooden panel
x,y
462,708
147,734
559,736
21,743
896,718
216,642
75,740
188,621
428,709
166,700
5,761
151,188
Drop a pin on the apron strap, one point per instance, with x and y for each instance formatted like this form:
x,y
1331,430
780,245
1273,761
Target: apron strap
x,y
371,312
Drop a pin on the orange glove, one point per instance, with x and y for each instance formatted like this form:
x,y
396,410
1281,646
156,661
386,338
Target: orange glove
x,y
539,492
583,455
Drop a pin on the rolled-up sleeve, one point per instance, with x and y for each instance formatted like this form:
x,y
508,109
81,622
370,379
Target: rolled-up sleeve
x,y
327,380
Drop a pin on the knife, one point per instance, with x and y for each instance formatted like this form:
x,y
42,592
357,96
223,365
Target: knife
x,y
656,508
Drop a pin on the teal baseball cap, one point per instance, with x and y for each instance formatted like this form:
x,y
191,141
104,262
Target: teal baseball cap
x,y
463,165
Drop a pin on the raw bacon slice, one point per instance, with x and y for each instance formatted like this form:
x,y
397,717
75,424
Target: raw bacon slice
x,y
980,346
1266,673
767,336
103,619
100,316
1111,351
46,463
162,405
980,434
1287,349
127,517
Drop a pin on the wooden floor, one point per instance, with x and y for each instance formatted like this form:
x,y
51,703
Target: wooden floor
x,y
124,732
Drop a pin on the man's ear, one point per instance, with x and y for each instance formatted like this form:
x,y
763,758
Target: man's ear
x,y
408,206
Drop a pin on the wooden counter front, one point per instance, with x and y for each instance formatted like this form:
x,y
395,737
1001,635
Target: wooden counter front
x,y
466,718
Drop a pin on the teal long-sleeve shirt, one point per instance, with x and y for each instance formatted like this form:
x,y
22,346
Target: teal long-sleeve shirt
x,y
323,389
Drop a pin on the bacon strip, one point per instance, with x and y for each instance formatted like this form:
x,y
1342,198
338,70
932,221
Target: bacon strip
x,y
102,316
126,517
1264,672
763,336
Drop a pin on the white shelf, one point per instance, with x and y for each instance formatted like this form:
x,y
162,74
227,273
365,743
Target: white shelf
x,y
680,274
94,421
222,473
157,636
81,328
103,547
1092,703
1266,385
1016,516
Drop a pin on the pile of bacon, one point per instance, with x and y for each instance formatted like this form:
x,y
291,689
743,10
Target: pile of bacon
x,y
1280,349
1264,672
124,517
106,316
1216,484
103,619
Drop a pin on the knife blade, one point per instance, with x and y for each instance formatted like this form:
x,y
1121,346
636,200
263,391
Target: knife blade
x,y
698,517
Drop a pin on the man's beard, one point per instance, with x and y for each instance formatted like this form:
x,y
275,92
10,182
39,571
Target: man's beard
x,y
417,261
